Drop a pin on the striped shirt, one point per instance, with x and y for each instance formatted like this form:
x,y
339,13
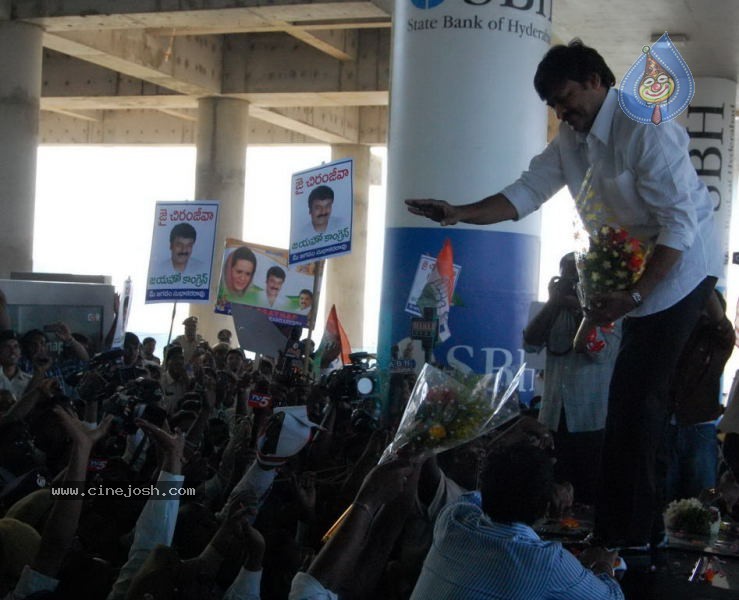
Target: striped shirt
x,y
474,558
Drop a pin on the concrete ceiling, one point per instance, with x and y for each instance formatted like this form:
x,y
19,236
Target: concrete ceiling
x,y
131,72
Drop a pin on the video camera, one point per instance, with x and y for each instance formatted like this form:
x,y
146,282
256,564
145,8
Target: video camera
x,y
357,384
107,365
130,402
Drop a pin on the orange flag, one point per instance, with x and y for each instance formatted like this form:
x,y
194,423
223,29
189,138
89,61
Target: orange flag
x,y
334,343
439,289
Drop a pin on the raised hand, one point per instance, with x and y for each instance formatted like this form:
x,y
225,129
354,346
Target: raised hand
x,y
82,436
171,444
437,210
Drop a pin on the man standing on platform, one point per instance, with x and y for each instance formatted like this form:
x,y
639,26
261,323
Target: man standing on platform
x,y
653,190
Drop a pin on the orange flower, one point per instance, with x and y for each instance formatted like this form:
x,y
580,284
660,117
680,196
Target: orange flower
x,y
437,432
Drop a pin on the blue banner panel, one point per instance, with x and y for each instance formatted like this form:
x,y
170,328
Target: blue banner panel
x,y
497,282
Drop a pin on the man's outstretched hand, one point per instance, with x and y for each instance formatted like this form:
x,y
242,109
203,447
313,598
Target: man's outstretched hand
x,y
437,210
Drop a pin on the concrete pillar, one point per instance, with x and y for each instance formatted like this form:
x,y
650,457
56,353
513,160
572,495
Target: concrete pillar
x,y
345,274
465,121
220,174
20,90
709,120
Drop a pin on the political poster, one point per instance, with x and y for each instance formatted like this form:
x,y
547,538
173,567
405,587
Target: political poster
x,y
321,212
424,270
182,248
259,276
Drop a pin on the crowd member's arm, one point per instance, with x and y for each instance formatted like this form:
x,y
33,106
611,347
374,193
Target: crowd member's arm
x,y
194,435
377,443
65,513
590,579
237,527
336,564
89,390
215,488
18,411
65,334
536,333
157,521
257,481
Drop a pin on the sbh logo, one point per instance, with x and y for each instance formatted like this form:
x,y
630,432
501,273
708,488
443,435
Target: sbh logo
x,y
426,3
541,6
658,86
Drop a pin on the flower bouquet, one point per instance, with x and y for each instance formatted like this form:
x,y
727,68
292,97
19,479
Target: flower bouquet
x,y
608,258
689,520
446,411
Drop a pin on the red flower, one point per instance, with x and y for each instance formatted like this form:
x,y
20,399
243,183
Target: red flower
x,y
635,263
620,235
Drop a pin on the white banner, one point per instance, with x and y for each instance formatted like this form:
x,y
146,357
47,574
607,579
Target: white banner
x,y
321,213
182,248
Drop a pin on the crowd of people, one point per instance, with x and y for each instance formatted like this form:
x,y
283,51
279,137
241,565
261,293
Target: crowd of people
x,y
252,465
209,475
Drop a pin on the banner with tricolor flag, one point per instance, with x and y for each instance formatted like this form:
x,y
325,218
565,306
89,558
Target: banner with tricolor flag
x,y
334,343
439,288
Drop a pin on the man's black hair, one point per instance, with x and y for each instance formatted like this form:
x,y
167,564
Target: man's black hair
x,y
306,291
516,484
275,271
322,192
146,340
131,339
27,340
183,230
576,62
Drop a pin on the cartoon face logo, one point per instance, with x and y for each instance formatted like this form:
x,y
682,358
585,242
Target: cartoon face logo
x,y
656,86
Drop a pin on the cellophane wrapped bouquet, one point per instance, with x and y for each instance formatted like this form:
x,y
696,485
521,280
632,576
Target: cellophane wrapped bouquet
x,y
445,411
607,256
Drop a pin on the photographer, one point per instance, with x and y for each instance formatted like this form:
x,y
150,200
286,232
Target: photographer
x,y
575,398
36,356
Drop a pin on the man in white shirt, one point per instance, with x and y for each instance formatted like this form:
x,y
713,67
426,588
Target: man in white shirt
x,y
648,183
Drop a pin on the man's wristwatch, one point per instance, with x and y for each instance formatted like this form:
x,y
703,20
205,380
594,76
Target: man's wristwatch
x,y
636,298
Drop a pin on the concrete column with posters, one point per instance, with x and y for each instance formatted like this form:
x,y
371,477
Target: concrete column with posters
x,y
220,174
20,91
709,120
345,274
465,121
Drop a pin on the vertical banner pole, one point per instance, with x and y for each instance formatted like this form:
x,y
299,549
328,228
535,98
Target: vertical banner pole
x,y
317,280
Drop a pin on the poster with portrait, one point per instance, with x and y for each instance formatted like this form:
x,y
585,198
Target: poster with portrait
x,y
182,248
321,212
259,276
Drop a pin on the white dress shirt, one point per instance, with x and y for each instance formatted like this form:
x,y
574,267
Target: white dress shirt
x,y
646,180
